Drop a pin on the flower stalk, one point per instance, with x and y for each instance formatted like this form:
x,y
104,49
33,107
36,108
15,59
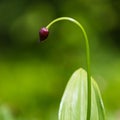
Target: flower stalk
x,y
44,34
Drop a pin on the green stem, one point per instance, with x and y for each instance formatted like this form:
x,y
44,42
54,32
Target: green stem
x,y
87,57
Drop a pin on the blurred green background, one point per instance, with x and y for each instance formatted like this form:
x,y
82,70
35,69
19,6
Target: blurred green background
x,y
33,75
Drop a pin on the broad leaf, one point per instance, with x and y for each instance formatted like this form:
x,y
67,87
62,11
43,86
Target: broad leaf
x,y
73,105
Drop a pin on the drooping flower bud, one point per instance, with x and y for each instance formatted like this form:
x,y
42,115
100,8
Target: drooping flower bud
x,y
43,33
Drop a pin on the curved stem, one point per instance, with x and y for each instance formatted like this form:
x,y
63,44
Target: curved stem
x,y
87,57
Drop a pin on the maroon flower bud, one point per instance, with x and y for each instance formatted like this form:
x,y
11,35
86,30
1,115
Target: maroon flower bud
x,y
43,33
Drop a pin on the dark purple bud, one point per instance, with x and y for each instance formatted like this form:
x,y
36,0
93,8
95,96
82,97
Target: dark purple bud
x,y
43,33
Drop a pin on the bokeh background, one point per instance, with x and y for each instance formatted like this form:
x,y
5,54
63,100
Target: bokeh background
x,y
33,75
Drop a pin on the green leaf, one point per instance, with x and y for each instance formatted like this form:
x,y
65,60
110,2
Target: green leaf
x,y
100,106
73,105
